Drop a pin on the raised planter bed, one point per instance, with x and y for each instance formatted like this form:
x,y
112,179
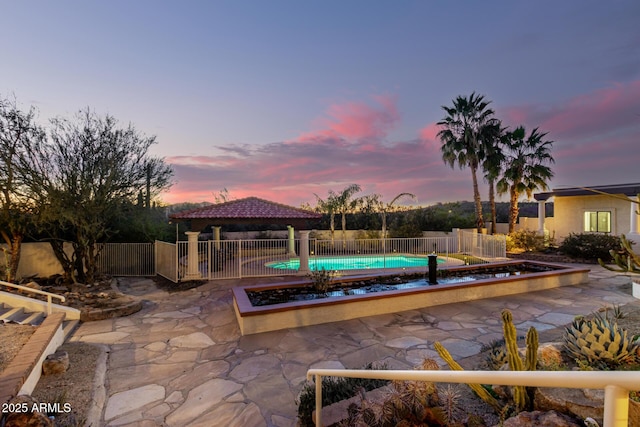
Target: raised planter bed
x,y
254,320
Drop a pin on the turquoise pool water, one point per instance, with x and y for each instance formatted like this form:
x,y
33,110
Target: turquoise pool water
x,y
356,263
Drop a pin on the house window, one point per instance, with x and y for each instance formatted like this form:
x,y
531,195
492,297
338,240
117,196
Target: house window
x,y
597,221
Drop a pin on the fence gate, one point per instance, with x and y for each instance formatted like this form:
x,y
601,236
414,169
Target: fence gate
x,y
127,259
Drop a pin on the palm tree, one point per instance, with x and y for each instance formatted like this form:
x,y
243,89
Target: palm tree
x,y
492,164
345,203
330,206
461,137
526,160
388,207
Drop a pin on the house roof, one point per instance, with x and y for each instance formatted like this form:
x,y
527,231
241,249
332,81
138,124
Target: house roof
x,y
630,190
250,210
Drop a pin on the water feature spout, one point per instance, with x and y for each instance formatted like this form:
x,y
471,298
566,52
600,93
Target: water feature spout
x,y
433,268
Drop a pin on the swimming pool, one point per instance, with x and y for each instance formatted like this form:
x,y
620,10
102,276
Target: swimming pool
x,y
356,262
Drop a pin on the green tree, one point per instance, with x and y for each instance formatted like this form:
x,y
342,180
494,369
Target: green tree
x,y
81,177
526,167
18,134
461,135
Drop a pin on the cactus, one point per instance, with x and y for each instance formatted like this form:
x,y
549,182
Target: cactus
x,y
599,341
410,403
478,388
520,396
626,260
532,349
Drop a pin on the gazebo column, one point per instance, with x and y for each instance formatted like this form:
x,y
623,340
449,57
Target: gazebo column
x,y
292,242
193,262
216,236
304,252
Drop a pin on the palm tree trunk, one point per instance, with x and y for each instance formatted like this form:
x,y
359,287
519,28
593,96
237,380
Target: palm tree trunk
x,y
344,231
333,226
492,202
476,199
513,209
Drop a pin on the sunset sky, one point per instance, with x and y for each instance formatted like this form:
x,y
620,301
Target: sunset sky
x,y
282,99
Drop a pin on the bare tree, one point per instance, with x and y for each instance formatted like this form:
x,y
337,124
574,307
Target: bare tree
x,y
81,176
18,133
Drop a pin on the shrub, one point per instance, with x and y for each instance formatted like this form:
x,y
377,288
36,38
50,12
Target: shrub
x,y
320,280
590,246
526,240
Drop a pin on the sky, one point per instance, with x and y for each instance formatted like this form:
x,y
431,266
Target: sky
x,y
289,99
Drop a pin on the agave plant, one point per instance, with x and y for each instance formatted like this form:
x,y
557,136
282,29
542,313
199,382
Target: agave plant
x,y
497,356
600,341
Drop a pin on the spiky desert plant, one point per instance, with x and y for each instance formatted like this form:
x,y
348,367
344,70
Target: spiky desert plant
x,y
450,397
531,358
625,258
521,394
515,362
410,403
600,341
497,356
477,388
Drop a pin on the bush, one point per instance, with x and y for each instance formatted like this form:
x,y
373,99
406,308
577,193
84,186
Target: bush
x,y
590,246
526,240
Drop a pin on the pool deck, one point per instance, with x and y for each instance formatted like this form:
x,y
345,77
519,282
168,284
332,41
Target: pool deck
x,y
182,360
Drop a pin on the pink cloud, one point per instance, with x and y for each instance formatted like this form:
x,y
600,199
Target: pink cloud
x,y
605,110
596,142
430,132
357,120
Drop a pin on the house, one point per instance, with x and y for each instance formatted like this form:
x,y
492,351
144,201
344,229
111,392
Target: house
x,y
611,209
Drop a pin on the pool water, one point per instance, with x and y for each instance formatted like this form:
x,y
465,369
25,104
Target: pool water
x,y
356,263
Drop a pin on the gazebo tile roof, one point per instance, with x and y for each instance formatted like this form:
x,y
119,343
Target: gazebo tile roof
x,y
247,208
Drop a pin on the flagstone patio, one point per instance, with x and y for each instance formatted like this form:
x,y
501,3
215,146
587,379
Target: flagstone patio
x,y
181,360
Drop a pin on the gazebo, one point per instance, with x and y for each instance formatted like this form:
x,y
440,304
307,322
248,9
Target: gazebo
x,y
250,210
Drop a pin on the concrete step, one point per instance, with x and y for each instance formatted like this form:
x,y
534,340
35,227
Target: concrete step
x,y
34,318
20,316
12,314
68,327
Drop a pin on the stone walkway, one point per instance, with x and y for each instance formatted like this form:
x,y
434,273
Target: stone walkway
x,y
182,361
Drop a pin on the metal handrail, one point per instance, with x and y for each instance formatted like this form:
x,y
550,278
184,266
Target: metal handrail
x,y
616,384
49,295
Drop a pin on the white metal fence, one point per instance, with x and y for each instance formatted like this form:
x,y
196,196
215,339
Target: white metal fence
x,y
166,257
127,259
278,257
229,259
